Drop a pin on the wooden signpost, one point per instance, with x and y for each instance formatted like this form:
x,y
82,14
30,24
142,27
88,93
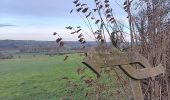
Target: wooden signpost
x,y
97,59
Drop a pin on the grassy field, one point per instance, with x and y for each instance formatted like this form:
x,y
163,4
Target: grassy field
x,y
38,78
42,77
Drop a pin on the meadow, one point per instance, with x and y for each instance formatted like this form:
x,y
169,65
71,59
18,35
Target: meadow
x,y
40,77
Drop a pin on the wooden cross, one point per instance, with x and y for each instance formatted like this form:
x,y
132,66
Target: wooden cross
x,y
97,59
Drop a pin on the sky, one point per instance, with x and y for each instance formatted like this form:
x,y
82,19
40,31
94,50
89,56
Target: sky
x,y
38,19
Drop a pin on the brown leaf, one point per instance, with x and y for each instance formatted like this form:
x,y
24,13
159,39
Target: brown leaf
x,y
88,15
79,9
85,54
86,95
99,37
83,4
126,8
125,3
75,2
78,30
72,32
83,47
106,1
71,11
69,27
66,57
102,41
78,4
106,5
112,19
81,39
84,42
80,36
58,40
92,18
78,26
108,15
78,70
101,6
97,3
97,21
66,78
108,11
55,33
88,81
84,10
98,32
61,44
94,10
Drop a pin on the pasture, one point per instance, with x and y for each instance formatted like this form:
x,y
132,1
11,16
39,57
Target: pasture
x,y
40,77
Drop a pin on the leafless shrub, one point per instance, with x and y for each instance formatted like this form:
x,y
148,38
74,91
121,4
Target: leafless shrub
x,y
149,26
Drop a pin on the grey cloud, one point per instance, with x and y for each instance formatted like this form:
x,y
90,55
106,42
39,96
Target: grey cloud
x,y
6,25
56,8
36,7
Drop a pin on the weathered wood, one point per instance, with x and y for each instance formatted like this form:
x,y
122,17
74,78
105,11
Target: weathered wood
x,y
136,89
96,60
125,58
139,74
136,74
115,57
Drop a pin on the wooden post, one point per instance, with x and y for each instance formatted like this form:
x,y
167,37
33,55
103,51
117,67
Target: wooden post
x,y
136,89
125,61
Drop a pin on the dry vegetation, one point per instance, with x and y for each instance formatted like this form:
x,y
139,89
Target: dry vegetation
x,y
149,25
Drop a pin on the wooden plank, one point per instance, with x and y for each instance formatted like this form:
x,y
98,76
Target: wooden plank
x,y
96,71
139,74
125,58
99,59
138,58
136,89
95,61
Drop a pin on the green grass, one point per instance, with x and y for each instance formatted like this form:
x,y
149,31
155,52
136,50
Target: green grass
x,y
38,78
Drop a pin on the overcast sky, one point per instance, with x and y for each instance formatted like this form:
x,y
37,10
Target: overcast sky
x,y
38,19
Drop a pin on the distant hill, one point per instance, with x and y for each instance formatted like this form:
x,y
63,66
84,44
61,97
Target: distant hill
x,y
19,44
